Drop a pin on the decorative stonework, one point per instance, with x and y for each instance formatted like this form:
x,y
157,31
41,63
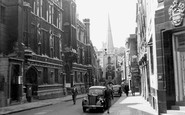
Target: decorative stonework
x,y
176,12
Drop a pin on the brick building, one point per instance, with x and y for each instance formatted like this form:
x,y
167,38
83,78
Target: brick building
x,y
165,47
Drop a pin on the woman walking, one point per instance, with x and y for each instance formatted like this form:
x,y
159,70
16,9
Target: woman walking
x,y
108,96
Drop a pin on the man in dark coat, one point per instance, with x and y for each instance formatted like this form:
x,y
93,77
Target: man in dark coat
x,y
108,96
74,94
126,89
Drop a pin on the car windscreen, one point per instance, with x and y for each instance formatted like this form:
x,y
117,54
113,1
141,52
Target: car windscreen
x,y
116,88
96,91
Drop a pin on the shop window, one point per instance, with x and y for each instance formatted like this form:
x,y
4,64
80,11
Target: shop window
x,y
2,80
151,59
2,14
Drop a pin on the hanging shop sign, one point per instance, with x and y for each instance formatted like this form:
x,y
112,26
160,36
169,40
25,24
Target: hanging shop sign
x,y
176,12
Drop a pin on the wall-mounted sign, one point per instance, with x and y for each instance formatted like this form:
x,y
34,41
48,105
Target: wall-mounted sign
x,y
68,85
20,80
176,12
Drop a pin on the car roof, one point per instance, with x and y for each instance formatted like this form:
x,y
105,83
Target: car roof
x,y
102,87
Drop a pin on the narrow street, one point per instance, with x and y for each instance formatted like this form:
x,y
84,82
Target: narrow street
x,y
63,108
51,50
131,105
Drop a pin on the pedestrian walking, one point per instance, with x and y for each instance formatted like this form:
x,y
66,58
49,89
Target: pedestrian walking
x,y
126,89
133,90
108,96
74,94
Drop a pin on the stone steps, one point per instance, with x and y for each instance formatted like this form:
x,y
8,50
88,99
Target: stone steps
x,y
178,109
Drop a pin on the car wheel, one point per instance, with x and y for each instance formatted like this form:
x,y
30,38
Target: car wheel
x,y
84,109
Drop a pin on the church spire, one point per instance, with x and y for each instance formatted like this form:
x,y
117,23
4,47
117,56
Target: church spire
x,y
110,46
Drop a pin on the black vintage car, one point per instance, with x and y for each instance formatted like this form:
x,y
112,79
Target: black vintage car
x,y
95,98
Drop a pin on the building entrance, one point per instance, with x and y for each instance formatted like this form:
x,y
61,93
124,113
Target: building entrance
x,y
15,89
179,62
31,79
182,70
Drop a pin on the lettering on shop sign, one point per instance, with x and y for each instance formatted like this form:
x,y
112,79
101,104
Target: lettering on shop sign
x,y
176,12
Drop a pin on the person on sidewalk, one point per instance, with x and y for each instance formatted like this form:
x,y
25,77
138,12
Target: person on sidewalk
x,y
108,96
133,90
74,94
126,89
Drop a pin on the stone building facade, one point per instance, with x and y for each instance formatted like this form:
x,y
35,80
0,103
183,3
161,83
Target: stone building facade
x,y
165,53
133,75
33,55
38,48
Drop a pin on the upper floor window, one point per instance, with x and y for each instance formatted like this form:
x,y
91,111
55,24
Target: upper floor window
x,y
60,21
82,36
55,16
84,39
44,9
77,34
32,4
38,7
50,13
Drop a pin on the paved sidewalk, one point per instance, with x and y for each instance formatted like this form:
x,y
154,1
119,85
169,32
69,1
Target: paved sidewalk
x,y
37,104
131,105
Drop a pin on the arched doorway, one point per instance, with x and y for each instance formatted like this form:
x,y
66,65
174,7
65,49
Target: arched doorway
x,y
31,78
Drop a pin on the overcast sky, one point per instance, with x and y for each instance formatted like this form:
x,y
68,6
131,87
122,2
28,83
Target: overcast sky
x,y
122,15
